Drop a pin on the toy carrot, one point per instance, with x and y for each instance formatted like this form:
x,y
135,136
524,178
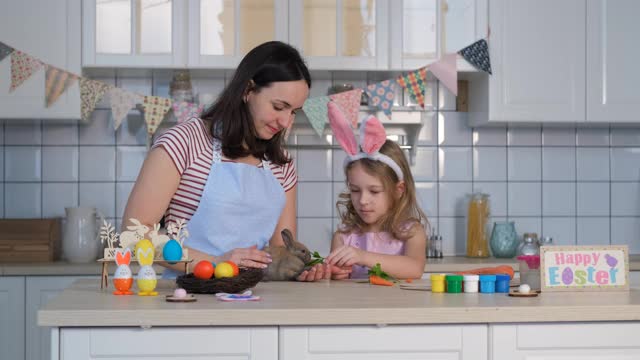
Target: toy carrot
x,y
379,277
377,280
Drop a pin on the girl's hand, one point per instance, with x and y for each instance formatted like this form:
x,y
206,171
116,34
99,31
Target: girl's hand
x,y
249,257
345,255
340,273
317,272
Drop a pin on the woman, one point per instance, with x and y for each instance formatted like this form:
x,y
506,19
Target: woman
x,y
227,173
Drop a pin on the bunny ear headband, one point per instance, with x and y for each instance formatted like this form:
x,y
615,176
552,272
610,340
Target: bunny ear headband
x,y
372,137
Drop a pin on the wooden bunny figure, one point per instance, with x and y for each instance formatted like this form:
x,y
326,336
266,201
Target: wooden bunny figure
x,y
123,278
147,279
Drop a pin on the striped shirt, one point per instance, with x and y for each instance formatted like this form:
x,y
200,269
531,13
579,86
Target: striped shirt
x,y
190,146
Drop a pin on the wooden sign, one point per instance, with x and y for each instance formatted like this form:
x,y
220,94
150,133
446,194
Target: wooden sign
x,y
584,268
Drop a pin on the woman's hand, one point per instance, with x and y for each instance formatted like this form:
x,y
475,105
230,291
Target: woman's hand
x,y
249,257
317,272
345,256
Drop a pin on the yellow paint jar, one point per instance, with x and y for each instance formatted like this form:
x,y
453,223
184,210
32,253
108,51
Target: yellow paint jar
x,y
437,283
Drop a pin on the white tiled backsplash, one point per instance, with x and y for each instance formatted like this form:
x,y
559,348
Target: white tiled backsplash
x,y
578,185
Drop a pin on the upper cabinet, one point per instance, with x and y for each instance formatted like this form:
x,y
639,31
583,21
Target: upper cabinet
x,y
49,31
133,33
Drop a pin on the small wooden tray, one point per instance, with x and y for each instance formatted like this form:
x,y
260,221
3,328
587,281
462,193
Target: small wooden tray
x,y
516,293
188,298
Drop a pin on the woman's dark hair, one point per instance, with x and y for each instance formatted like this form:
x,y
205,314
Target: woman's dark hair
x,y
267,63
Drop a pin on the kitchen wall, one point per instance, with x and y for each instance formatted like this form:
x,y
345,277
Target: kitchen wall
x,y
578,185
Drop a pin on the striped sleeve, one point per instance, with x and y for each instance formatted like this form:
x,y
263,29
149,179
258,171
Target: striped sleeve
x,y
290,176
177,142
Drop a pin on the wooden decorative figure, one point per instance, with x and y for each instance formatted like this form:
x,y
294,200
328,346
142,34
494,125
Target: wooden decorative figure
x,y
123,278
129,239
147,279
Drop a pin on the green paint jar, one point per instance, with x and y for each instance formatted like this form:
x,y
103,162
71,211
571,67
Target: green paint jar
x,y
454,283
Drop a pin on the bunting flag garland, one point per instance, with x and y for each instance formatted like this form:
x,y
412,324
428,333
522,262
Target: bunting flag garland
x,y
349,103
121,102
184,111
446,71
381,95
477,54
415,82
56,83
155,108
22,67
91,92
5,50
316,111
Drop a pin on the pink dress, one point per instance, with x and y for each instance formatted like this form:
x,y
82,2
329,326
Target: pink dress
x,y
380,242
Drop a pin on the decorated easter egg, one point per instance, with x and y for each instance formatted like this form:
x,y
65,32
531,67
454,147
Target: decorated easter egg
x,y
144,252
203,270
172,251
567,276
236,270
225,270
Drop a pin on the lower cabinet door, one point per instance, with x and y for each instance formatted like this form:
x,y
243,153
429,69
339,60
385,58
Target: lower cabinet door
x,y
574,341
251,343
424,342
12,317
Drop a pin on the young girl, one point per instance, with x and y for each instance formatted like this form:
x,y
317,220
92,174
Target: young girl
x,y
381,221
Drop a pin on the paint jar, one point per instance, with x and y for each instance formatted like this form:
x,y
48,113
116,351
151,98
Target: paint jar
x,y
502,283
454,283
437,283
488,284
471,283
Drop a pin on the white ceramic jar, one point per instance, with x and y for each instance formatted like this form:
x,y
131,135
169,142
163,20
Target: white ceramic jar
x,y
80,243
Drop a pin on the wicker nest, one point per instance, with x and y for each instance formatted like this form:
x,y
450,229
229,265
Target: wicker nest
x,y
247,278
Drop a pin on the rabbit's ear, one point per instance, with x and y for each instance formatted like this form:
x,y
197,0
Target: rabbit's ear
x,y
287,237
135,221
372,135
341,129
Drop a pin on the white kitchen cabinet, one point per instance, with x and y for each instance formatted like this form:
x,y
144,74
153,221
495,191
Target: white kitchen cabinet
x,y
254,343
12,317
50,32
133,33
39,290
612,61
221,32
421,32
389,342
611,341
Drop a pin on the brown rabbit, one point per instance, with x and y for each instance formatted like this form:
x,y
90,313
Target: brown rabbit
x,y
288,261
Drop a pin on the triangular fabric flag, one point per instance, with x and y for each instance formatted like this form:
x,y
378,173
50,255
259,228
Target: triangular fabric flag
x,y
381,95
415,82
155,108
477,54
349,103
91,92
184,111
5,50
316,111
56,83
446,71
121,102
22,67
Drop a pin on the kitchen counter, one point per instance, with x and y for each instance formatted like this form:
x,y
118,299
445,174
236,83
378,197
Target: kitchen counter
x,y
330,303
444,265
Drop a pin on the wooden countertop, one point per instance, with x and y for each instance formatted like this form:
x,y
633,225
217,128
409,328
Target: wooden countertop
x,y
444,265
330,303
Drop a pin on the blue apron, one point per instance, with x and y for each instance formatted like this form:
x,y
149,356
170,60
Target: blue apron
x,y
240,207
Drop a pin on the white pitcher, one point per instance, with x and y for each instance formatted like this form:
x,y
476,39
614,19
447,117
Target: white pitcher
x,y
80,243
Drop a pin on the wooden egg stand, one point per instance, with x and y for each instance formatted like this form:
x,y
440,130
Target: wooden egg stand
x,y
104,282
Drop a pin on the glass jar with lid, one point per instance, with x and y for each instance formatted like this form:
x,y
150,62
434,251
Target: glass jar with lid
x,y
529,245
477,220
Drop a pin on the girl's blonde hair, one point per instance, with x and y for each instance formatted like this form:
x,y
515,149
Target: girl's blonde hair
x,y
404,212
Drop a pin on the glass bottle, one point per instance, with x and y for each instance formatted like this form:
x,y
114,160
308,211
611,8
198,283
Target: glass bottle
x,y
529,245
477,219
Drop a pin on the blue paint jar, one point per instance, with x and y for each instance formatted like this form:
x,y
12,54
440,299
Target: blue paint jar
x,y
488,284
502,283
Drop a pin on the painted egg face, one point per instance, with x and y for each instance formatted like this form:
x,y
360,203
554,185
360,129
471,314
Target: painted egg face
x,y
122,272
146,273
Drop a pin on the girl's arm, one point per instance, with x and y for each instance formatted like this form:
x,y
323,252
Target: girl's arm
x,y
339,273
410,265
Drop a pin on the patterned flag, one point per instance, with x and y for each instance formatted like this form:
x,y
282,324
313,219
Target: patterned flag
x,y
415,82
349,103
184,111
91,92
121,102
316,111
155,108
57,82
446,71
5,50
381,95
22,67
477,54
